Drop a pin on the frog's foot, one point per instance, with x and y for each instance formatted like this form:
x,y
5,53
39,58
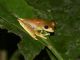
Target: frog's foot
x,y
34,37
42,36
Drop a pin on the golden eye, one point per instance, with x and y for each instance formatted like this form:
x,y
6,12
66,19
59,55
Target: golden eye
x,y
46,27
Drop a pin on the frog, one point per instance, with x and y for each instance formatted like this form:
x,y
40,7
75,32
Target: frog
x,y
37,27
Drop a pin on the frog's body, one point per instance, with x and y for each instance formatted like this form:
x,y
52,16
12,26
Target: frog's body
x,y
35,24
35,27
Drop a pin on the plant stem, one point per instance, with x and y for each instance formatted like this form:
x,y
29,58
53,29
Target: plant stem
x,y
52,49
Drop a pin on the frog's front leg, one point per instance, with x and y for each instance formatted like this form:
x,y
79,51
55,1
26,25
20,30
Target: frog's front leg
x,y
40,35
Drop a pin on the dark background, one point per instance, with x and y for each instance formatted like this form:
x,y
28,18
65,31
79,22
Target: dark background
x,y
9,41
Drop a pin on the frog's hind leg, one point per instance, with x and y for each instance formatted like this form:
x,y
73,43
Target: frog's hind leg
x,y
28,28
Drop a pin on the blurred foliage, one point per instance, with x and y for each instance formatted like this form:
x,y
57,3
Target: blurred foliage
x,y
66,13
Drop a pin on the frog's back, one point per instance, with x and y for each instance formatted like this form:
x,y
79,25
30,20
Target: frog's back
x,y
35,23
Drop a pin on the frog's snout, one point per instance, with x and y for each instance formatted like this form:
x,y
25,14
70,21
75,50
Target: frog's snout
x,y
49,30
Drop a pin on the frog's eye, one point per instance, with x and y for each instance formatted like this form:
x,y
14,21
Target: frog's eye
x,y
46,27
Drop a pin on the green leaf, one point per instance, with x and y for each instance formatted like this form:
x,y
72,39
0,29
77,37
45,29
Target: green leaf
x,y
66,13
28,46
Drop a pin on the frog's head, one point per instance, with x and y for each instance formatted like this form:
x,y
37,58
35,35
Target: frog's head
x,y
49,27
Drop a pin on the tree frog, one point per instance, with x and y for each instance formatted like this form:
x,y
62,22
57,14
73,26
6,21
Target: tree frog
x,y
37,27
